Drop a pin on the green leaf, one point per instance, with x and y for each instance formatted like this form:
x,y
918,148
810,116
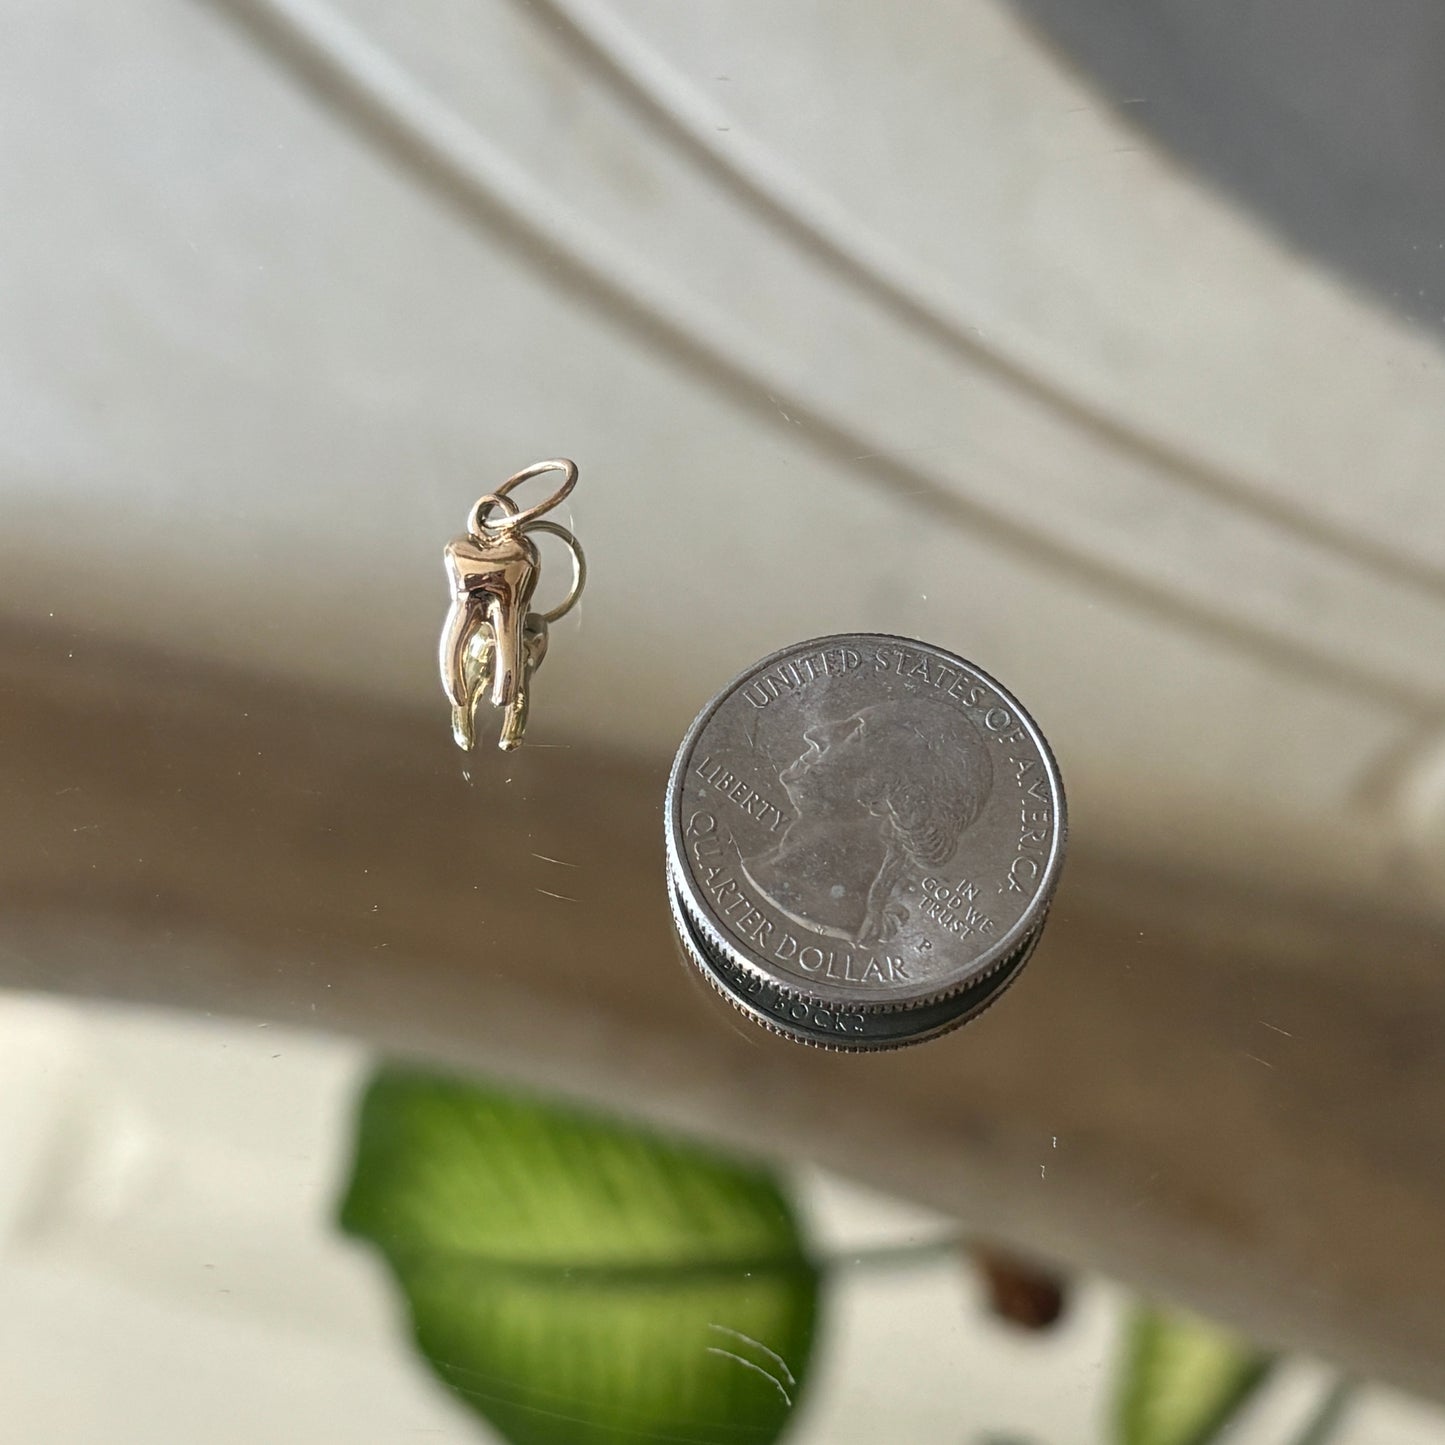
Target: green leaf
x,y
576,1280
1184,1380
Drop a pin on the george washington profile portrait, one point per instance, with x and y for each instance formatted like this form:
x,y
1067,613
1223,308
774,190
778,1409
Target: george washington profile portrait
x,y
880,794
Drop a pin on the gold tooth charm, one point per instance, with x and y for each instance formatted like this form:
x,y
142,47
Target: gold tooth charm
x,y
492,642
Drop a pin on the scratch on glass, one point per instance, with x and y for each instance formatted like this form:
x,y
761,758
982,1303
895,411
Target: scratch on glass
x,y
773,1355
773,1380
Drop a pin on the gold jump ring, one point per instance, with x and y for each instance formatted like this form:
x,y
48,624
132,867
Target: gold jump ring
x,y
477,523
579,569
537,469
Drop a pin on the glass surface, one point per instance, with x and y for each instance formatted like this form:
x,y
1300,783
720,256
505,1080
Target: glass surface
x,y
352,1087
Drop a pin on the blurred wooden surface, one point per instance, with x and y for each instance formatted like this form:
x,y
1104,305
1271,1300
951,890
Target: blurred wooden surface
x,y
1232,1099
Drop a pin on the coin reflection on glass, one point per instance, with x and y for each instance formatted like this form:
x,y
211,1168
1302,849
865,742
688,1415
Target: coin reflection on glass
x,y
863,836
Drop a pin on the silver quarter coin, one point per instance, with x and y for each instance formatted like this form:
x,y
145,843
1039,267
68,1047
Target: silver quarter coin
x,y
863,838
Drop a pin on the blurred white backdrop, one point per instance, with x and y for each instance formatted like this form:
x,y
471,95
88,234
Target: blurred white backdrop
x,y
853,317
171,1271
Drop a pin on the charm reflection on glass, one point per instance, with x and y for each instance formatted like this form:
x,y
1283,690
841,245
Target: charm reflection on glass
x,y
492,641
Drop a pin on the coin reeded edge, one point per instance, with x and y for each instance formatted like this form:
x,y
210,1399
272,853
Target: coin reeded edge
x,y
972,1002
686,884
